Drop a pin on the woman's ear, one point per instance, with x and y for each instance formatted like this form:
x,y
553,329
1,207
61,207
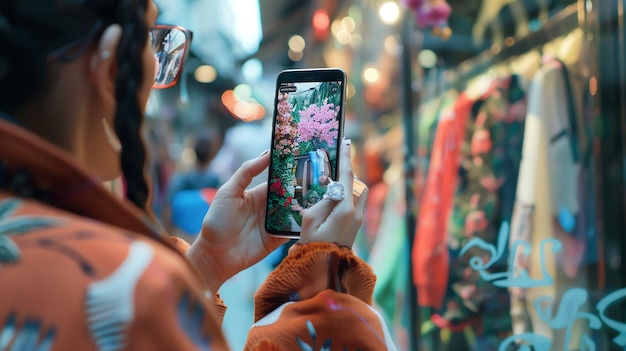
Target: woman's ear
x,y
103,63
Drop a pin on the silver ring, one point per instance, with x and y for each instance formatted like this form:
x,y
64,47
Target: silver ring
x,y
335,191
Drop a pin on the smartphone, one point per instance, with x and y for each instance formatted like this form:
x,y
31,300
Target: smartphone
x,y
307,131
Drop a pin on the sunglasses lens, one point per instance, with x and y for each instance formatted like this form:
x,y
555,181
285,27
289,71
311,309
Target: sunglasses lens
x,y
169,46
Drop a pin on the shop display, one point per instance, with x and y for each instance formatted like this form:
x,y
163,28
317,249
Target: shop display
x,y
508,249
505,245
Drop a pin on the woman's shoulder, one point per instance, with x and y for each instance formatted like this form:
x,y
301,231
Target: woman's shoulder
x,y
78,274
30,224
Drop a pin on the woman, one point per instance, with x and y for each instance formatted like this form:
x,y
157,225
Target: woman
x,y
82,270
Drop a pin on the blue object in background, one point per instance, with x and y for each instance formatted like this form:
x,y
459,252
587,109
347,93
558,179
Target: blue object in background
x,y
189,208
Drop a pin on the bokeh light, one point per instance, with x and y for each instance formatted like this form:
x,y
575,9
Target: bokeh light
x,y
389,12
297,43
295,56
205,74
371,75
392,46
427,58
252,70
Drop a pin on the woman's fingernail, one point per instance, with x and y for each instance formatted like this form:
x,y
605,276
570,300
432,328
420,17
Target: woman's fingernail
x,y
264,152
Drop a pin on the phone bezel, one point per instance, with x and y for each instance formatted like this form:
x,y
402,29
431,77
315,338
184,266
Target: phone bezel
x,y
306,75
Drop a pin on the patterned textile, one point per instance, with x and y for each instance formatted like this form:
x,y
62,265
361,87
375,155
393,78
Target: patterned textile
x,y
491,154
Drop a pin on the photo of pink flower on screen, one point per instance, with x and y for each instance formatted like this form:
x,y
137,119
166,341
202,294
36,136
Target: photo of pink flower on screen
x,y
319,124
306,135
286,129
283,183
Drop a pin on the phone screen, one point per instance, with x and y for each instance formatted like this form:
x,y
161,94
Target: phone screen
x,y
307,131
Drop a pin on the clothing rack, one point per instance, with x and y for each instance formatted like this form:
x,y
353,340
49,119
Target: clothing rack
x,y
560,24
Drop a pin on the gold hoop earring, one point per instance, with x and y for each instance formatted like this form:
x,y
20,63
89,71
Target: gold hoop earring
x,y
114,142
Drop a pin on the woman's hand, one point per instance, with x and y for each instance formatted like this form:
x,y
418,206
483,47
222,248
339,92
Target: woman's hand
x,y
337,221
233,235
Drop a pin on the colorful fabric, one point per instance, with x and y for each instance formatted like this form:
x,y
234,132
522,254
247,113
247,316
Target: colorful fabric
x,y
82,270
429,116
491,153
429,253
90,257
488,170
472,314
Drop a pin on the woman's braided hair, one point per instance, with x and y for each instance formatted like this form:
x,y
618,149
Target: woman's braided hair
x,y
129,115
29,30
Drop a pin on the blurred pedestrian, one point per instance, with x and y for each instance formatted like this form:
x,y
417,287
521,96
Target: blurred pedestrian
x,y
191,190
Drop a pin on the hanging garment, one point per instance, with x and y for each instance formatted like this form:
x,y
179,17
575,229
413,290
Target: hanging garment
x,y
475,314
548,207
429,119
489,164
429,116
430,253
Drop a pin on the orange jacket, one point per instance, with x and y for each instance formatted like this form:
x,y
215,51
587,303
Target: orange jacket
x,y
430,255
82,270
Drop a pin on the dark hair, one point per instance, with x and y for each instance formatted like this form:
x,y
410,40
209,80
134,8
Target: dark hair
x,y
205,147
31,30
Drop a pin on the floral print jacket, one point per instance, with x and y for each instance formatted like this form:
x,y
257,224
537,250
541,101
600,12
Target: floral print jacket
x,y
82,270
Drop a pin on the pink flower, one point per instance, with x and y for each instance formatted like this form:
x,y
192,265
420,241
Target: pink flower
x,y
286,128
319,123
